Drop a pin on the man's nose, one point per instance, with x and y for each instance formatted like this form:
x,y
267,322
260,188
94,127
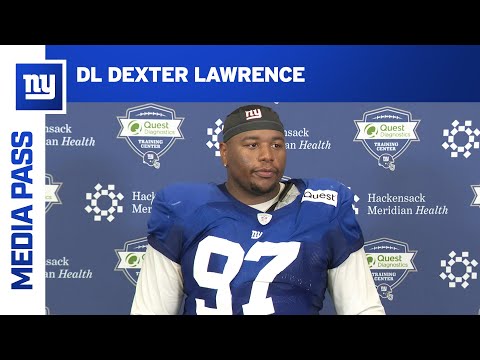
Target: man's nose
x,y
266,153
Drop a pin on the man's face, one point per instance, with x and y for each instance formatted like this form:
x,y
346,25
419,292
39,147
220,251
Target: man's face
x,y
255,161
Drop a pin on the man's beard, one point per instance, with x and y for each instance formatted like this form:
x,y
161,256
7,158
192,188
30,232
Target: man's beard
x,y
254,188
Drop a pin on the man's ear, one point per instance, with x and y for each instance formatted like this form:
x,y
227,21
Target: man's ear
x,y
223,153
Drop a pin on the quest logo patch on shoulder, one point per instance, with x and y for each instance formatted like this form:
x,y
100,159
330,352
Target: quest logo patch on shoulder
x,y
328,197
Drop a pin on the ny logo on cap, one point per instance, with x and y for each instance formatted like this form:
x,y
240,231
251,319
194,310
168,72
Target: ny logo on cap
x,y
253,114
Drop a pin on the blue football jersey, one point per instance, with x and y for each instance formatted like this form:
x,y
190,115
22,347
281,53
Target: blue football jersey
x,y
238,260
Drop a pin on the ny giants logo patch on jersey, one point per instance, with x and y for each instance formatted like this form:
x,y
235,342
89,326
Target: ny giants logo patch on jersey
x,y
328,197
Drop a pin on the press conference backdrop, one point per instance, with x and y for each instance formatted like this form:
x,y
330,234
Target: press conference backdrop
x,y
413,168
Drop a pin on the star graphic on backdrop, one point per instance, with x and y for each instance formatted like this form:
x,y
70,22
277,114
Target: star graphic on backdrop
x,y
476,199
51,192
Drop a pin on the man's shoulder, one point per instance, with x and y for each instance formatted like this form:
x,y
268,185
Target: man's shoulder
x,y
187,186
342,191
324,183
189,192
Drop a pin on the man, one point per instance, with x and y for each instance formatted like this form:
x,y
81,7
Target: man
x,y
254,244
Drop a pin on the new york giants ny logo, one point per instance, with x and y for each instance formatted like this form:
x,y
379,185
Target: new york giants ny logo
x,y
253,114
42,86
39,87
256,234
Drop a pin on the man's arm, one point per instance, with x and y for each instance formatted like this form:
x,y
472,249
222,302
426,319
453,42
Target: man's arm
x,y
352,288
159,289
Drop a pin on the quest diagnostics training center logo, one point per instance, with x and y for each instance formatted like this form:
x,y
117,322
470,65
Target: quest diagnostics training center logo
x,y
390,261
42,87
386,133
130,258
150,130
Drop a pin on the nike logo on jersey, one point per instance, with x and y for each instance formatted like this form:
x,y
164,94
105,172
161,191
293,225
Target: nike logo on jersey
x,y
328,197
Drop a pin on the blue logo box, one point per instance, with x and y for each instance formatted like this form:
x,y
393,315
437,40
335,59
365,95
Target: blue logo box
x,y
39,87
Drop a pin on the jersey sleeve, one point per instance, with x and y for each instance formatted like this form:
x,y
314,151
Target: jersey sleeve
x,y
165,232
347,235
352,288
159,289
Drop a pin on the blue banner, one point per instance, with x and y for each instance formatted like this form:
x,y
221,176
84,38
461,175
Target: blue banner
x,y
319,73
